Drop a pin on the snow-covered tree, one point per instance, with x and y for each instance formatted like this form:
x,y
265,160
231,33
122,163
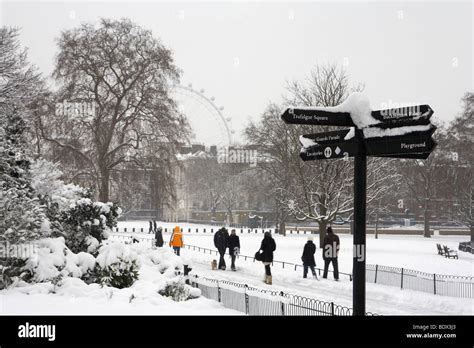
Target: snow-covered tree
x,y
113,105
21,214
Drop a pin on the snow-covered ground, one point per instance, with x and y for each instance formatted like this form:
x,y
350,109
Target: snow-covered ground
x,y
72,296
77,299
407,251
414,252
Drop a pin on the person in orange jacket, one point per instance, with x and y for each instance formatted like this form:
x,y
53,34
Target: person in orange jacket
x,y
176,240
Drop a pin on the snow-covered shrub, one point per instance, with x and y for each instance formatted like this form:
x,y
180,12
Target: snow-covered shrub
x,y
116,266
46,182
87,223
12,270
178,290
53,260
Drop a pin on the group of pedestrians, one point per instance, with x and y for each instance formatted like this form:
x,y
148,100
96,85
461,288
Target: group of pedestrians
x,y
176,239
223,241
331,245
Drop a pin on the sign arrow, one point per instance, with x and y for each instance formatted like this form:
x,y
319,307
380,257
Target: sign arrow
x,y
403,116
327,137
317,117
412,143
329,151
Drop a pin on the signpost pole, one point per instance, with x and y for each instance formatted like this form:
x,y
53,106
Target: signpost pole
x,y
360,201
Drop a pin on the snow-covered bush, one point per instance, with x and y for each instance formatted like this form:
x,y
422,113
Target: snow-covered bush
x,y
116,266
53,260
86,224
12,270
46,182
178,290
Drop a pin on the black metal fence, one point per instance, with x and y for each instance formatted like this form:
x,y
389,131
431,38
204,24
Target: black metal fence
x,y
254,301
438,284
404,278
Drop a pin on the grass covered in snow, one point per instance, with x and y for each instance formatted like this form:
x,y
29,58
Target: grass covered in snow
x,y
407,251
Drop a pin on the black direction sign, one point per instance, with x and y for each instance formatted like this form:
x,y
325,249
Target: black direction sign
x,y
317,117
403,116
418,142
327,137
329,151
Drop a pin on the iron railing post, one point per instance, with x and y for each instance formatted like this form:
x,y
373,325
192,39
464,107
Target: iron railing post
x,y
401,284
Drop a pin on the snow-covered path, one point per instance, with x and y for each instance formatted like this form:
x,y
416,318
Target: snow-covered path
x,y
381,299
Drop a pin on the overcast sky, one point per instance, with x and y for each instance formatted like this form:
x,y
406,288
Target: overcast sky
x,y
243,53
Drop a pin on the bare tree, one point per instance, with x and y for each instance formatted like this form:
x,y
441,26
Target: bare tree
x,y
318,190
460,145
125,73
425,178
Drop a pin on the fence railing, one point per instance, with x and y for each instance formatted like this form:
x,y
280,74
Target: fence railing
x,y
255,301
404,278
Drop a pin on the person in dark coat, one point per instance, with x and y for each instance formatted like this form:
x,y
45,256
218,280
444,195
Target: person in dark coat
x,y
154,226
159,237
234,248
220,242
330,253
267,248
308,258
151,227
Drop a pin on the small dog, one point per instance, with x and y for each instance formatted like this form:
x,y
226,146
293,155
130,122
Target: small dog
x,y
214,265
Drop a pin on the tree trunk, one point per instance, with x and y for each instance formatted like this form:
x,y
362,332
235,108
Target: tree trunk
x,y
472,232
377,226
322,232
229,216
282,227
426,232
104,185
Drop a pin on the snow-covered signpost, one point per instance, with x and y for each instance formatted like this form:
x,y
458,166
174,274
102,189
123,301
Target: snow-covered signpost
x,y
400,133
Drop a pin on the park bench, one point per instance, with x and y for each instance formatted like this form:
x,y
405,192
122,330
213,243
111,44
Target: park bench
x,y
440,249
450,253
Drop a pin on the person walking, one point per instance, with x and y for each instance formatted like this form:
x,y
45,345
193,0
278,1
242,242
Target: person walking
x,y
154,225
308,258
159,237
176,240
234,248
220,242
330,253
267,248
151,227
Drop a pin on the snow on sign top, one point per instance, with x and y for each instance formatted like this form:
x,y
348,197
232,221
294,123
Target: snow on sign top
x,y
354,111
358,106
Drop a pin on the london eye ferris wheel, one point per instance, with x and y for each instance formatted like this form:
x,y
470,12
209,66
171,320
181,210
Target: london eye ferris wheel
x,y
209,125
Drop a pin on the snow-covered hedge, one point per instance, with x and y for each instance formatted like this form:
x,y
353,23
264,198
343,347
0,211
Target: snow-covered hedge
x,y
131,272
116,266
87,223
53,260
